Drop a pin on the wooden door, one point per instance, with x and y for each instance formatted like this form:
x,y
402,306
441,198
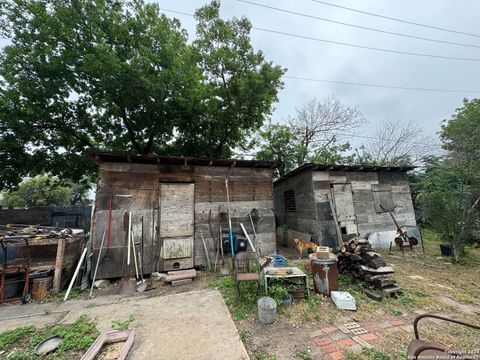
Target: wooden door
x,y
344,208
176,226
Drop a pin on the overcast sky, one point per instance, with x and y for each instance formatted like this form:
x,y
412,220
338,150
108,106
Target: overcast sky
x,y
312,59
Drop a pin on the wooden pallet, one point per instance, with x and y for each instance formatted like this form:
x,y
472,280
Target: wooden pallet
x,y
391,290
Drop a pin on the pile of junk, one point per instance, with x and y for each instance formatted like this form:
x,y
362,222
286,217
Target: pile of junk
x,y
37,259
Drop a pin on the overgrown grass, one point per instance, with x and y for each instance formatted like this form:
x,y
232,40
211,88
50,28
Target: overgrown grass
x,y
261,355
240,306
74,293
122,325
12,336
367,354
304,354
375,354
430,237
77,337
244,304
244,334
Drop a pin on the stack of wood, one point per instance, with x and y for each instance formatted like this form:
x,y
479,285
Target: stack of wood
x,y
180,277
357,258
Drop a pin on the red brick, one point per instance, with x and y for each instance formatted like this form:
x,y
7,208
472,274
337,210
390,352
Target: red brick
x,y
346,342
397,322
322,341
372,327
337,355
380,335
330,348
329,330
369,337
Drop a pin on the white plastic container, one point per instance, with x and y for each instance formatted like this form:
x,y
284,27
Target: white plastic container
x,y
267,308
343,300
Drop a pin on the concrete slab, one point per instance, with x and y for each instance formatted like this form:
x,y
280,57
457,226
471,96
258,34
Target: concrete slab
x,y
190,325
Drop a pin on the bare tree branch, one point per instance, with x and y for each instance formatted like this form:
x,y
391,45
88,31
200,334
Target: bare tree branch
x,y
399,143
320,121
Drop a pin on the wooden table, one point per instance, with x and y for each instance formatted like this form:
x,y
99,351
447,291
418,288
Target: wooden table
x,y
284,273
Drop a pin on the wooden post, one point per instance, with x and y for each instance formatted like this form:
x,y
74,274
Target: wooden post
x,y
57,277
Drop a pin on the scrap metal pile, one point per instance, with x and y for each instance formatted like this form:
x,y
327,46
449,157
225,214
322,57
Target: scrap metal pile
x,y
38,243
8,232
357,258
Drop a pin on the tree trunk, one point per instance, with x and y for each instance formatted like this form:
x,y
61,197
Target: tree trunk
x,y
456,249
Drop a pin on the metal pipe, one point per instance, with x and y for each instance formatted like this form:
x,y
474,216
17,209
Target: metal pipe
x,y
98,262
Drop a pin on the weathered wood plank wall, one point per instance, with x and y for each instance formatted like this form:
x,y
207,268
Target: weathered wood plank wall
x,y
138,186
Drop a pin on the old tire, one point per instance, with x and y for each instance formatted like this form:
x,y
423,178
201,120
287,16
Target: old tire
x,y
26,297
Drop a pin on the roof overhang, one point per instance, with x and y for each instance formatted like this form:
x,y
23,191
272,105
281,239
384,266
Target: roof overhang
x,y
110,157
351,168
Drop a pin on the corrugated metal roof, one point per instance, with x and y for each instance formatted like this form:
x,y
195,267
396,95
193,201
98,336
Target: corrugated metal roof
x,y
363,168
99,157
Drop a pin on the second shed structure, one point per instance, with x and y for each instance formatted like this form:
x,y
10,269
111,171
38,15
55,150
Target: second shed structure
x,y
331,202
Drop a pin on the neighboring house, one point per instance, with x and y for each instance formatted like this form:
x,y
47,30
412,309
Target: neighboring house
x,y
180,200
324,201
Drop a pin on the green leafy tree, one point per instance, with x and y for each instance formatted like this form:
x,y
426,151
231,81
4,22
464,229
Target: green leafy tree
x,y
44,190
120,76
279,143
446,200
239,89
448,190
461,137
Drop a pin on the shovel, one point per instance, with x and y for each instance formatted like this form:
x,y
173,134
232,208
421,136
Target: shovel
x,y
98,261
127,284
107,259
223,268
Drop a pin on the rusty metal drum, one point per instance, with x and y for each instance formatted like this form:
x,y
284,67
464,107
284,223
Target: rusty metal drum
x,y
325,274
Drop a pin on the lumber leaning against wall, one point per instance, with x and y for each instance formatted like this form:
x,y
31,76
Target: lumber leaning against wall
x,y
250,188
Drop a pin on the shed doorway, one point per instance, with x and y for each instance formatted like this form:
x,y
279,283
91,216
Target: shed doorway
x,y
176,226
343,198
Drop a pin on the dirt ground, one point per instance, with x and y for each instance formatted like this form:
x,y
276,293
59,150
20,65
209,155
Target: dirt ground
x,y
187,325
430,284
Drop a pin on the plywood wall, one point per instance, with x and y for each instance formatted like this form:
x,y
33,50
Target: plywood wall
x,y
135,188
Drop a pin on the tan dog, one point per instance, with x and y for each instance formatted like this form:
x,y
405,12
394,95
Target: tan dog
x,y
302,246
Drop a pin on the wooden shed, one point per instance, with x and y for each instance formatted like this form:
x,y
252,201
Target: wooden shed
x,y
325,201
180,200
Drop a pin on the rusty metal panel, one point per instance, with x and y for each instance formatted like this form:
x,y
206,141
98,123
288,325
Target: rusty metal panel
x,y
176,210
177,248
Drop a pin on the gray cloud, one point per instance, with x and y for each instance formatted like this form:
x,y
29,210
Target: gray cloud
x,y
305,58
